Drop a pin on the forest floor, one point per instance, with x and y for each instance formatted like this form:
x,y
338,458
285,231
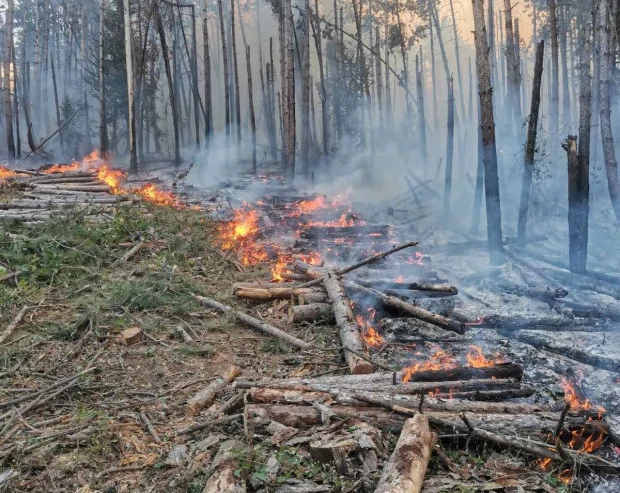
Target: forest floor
x,y
82,296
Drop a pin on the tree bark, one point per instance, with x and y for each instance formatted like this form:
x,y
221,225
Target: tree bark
x,y
235,71
207,71
459,73
607,48
225,66
8,107
206,396
305,89
554,104
566,116
530,144
491,179
131,119
421,112
251,105
323,93
449,152
512,67
405,470
103,126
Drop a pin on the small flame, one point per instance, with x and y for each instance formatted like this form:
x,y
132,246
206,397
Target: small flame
x,y
6,173
111,177
572,395
159,197
476,359
63,168
371,337
400,279
416,259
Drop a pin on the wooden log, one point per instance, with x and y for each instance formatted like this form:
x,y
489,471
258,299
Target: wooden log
x,y
225,466
82,180
255,323
205,396
74,188
405,470
11,327
500,370
410,388
276,292
285,396
416,311
489,395
364,262
310,313
317,232
514,323
383,284
314,297
349,333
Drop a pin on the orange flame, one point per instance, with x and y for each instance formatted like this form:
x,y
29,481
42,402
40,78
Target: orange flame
x,y
371,337
241,233
63,168
307,206
476,359
417,259
279,268
438,360
400,279
6,173
111,177
573,397
159,197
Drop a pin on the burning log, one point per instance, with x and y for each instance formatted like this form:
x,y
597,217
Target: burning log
x,y
310,313
255,323
352,232
405,470
499,370
206,395
414,311
269,293
349,333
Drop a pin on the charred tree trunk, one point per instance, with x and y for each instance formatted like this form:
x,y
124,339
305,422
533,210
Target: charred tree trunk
x,y
475,218
433,68
235,71
103,126
133,157
458,59
225,65
491,179
379,77
566,116
173,101
207,70
449,152
251,104
8,107
607,48
26,99
596,80
530,144
324,103
305,90
554,103
421,115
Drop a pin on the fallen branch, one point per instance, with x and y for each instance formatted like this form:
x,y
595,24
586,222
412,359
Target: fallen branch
x,y
206,395
149,426
255,323
11,327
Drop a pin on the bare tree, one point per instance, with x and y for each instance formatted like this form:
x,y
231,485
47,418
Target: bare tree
x,y
530,144
607,47
491,179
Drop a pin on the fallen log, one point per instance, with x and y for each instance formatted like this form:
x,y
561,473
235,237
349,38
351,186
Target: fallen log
x,y
388,416
499,370
255,323
34,216
82,179
488,395
514,323
318,232
74,188
314,297
384,284
205,396
310,313
405,470
414,311
11,327
225,475
410,388
349,333
280,396
364,262
276,292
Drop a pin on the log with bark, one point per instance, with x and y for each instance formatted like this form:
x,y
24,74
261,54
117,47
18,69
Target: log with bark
x,y
255,323
224,469
414,311
350,335
405,470
385,284
310,312
270,293
205,396
73,188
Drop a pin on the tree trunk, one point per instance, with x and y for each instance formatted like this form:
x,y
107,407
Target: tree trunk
x,y
405,470
225,65
530,144
491,32
251,104
475,218
421,114
566,117
8,107
324,102
235,71
173,101
207,71
579,176
491,180
194,68
288,101
458,59
512,67
103,126
433,68
16,103
596,79
133,157
305,89
607,47
449,152
554,103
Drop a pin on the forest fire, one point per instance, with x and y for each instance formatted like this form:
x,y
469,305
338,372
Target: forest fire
x,y
6,173
112,178
63,168
476,359
241,233
158,197
573,395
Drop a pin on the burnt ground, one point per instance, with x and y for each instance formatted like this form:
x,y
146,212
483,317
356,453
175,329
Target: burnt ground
x,y
82,295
